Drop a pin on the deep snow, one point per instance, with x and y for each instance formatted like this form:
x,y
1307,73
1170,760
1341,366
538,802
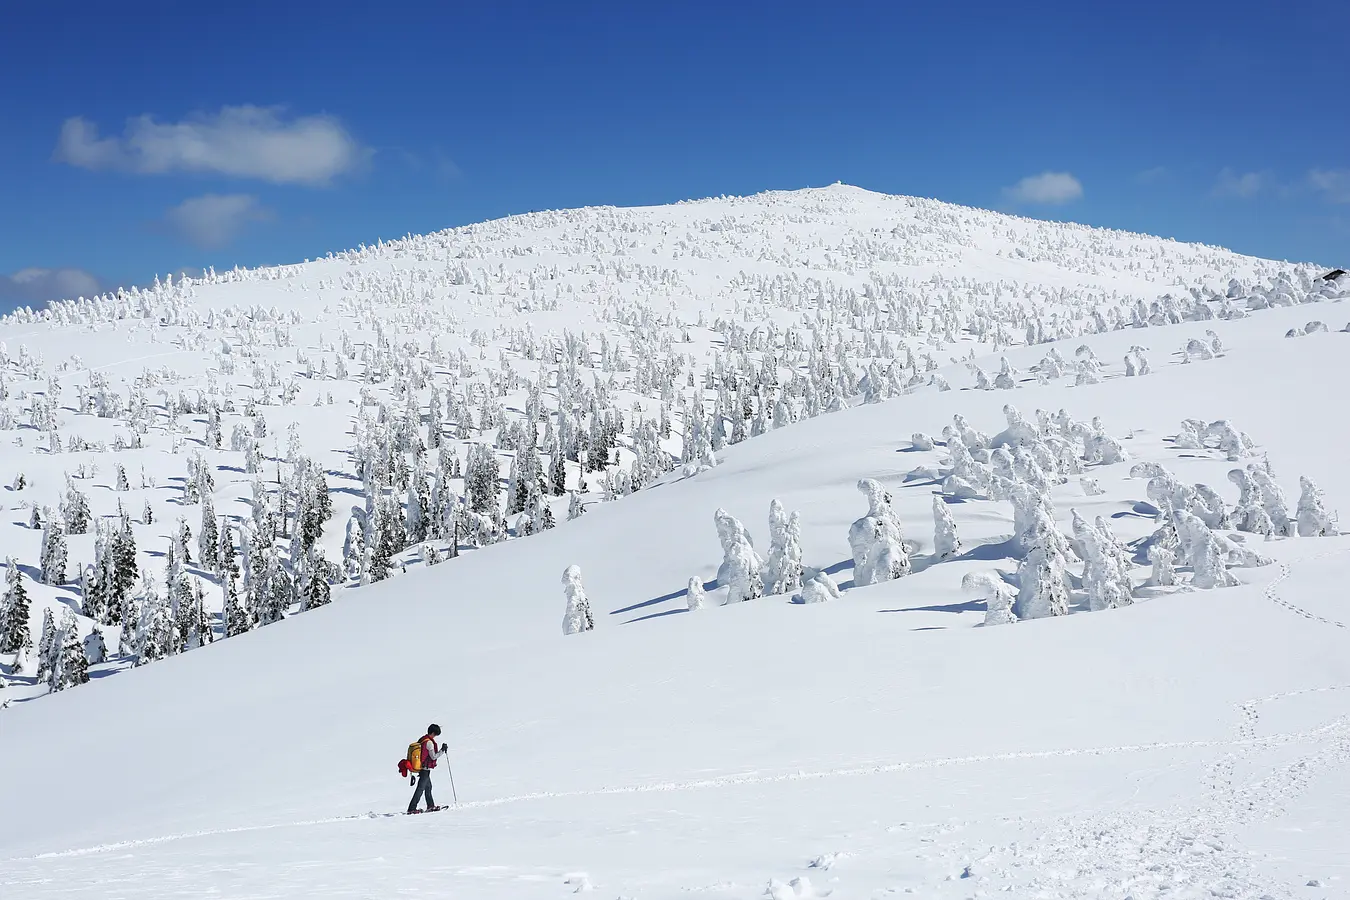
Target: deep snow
x,y
1194,744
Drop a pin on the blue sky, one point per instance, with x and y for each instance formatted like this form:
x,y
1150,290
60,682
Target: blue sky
x,y
142,138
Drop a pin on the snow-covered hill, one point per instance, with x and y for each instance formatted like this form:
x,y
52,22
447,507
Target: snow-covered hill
x,y
1138,733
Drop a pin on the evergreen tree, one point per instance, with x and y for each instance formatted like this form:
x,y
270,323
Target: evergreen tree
x,y
47,656
316,591
53,559
15,611
124,572
237,620
95,647
72,667
208,537
183,541
154,627
481,478
75,509
415,516
557,471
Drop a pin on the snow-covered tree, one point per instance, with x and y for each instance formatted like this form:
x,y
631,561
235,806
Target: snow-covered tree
x,y
876,539
15,612
72,667
694,594
95,647
1106,576
742,568
316,591
208,536
945,541
1204,552
481,481
1311,515
817,587
49,646
997,594
75,509
1041,576
52,563
577,617
783,571
1164,561
236,618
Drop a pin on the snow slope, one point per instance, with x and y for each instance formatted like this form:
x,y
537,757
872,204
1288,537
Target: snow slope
x,y
1193,744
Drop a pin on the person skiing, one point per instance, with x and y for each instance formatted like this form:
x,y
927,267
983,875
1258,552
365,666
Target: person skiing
x,y
430,754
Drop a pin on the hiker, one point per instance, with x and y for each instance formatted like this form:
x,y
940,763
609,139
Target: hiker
x,y
429,756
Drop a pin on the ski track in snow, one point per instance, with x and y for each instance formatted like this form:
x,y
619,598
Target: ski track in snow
x,y
737,780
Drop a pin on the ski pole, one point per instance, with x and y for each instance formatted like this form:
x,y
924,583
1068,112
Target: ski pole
x,y
451,773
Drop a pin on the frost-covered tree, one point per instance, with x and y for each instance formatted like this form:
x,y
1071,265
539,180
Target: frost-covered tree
x,y
1163,560
354,551
783,570
68,666
1106,576
95,647
695,596
575,508
316,591
1272,497
49,646
876,539
52,563
1312,516
481,481
15,612
577,617
817,587
75,509
208,536
742,569
236,618
1041,576
1204,552
156,634
997,594
945,541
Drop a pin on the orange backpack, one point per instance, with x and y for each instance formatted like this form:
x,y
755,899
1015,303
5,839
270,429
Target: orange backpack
x,y
412,763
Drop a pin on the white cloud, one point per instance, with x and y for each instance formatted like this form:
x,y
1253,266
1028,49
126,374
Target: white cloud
x,y
1152,176
34,286
213,220
239,141
1047,187
1334,183
1233,184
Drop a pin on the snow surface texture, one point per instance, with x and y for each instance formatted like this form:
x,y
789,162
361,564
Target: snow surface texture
x,y
834,739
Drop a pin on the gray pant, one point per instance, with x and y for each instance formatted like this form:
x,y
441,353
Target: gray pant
x,y
423,790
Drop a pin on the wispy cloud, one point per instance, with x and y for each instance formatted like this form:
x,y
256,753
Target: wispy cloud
x,y
239,141
1333,184
35,286
1046,188
1244,185
1152,176
213,220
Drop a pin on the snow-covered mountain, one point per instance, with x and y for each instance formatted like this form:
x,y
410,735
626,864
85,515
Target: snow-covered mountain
x,y
1128,445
